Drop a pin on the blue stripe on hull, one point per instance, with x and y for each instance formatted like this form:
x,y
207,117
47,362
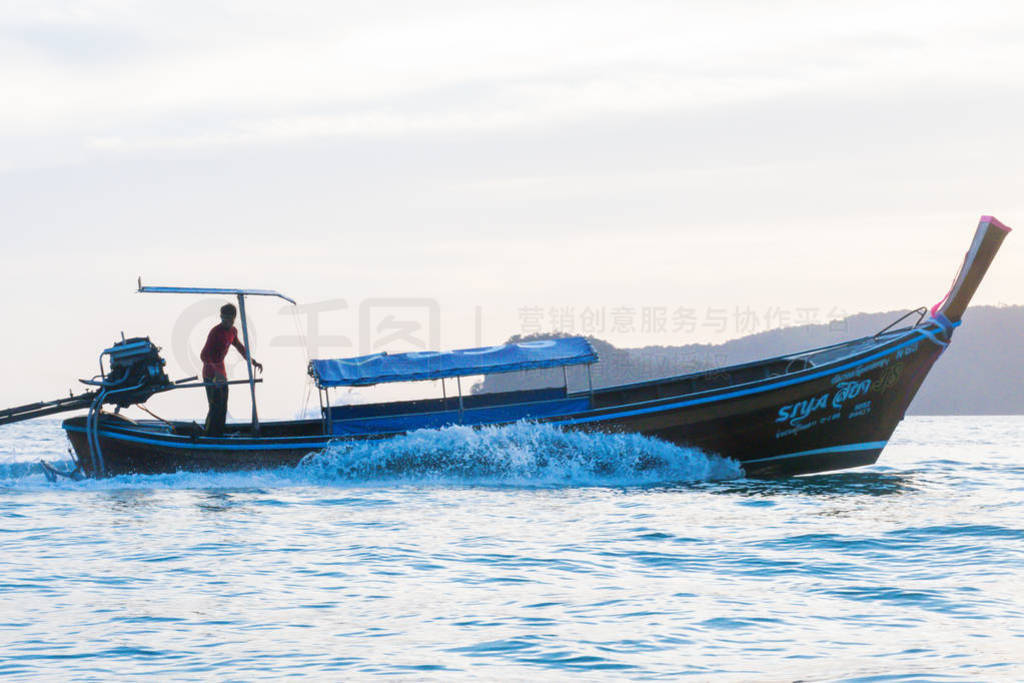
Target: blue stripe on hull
x,y
121,436
741,392
848,448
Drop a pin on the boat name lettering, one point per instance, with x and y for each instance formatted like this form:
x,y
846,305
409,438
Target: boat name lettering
x,y
889,378
857,372
860,409
795,412
850,390
907,350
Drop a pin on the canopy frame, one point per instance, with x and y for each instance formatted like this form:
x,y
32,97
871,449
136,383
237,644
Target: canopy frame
x,y
585,357
240,295
326,413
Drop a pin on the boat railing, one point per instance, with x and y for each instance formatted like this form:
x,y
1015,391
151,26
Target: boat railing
x,y
921,313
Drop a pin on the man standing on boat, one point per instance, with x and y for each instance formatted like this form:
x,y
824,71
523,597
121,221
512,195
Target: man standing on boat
x,y
215,376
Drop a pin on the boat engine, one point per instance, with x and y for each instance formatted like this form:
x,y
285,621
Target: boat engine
x,y
136,372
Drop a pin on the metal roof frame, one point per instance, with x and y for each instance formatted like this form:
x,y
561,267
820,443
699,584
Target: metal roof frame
x,y
159,289
240,294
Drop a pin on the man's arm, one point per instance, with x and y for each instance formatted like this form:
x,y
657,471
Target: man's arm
x,y
245,354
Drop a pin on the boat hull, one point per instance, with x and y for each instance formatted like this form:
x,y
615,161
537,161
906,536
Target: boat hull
x,y
827,416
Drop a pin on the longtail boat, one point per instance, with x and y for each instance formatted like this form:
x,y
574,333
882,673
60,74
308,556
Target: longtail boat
x,y
819,410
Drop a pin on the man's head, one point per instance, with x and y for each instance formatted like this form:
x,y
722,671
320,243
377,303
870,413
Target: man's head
x,y
227,315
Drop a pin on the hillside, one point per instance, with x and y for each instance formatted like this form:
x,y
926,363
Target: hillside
x,y
982,373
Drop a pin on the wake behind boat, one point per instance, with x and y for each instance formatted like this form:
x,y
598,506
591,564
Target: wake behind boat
x,y
824,409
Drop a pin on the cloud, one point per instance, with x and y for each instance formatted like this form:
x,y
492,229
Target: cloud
x,y
115,80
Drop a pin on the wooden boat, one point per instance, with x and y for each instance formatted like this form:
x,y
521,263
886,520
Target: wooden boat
x,y
824,409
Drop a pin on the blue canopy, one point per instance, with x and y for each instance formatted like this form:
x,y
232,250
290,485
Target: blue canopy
x,y
419,365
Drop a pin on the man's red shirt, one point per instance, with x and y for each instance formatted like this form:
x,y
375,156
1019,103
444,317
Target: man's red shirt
x,y
217,344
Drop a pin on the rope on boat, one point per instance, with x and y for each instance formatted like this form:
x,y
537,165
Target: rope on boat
x,y
305,349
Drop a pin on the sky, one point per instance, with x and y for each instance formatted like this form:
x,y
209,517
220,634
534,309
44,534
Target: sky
x,y
451,173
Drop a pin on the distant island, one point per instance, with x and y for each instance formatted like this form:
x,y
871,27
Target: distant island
x,y
982,373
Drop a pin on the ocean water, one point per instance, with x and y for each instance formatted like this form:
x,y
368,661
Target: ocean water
x,y
521,554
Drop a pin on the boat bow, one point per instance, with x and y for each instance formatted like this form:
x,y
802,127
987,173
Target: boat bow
x,y
987,240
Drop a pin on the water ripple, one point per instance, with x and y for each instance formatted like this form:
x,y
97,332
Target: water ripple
x,y
522,554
